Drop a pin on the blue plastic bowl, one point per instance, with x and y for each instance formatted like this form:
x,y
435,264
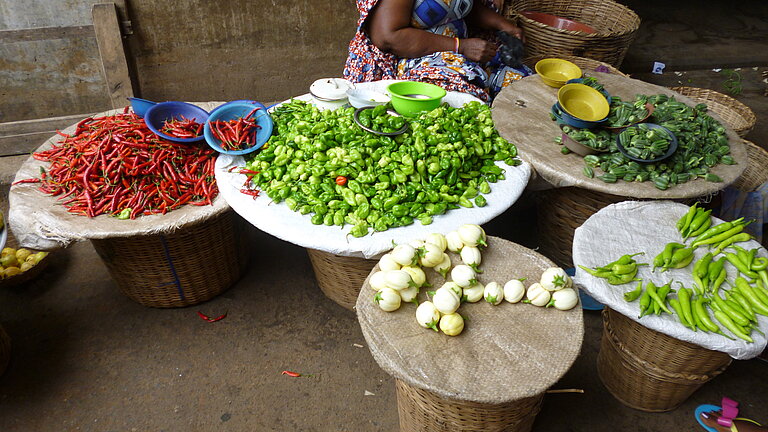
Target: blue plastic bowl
x,y
140,106
234,111
158,114
563,117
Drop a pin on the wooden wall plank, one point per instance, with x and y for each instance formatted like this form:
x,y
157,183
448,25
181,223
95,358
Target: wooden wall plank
x,y
110,42
45,33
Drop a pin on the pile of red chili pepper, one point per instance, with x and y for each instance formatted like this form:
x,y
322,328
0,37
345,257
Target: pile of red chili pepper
x,y
115,165
236,134
182,127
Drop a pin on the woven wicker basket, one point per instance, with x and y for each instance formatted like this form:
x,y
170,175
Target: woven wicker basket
x,y
340,277
650,371
183,268
5,350
423,411
738,116
28,275
755,174
559,212
616,27
586,64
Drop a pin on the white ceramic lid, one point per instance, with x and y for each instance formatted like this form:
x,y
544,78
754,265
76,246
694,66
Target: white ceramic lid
x,y
330,88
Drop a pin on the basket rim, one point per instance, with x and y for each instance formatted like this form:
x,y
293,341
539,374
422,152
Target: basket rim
x,y
597,35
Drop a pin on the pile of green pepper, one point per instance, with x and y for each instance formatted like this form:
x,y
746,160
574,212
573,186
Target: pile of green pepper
x,y
321,163
618,272
675,255
695,222
600,140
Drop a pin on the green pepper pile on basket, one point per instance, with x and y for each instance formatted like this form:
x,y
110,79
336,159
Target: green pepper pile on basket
x,y
643,142
618,272
735,308
623,113
321,163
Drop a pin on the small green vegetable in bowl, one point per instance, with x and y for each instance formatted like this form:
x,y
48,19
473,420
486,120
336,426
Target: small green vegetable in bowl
x,y
646,142
624,113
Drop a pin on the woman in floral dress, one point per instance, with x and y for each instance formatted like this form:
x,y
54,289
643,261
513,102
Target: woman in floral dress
x,y
431,41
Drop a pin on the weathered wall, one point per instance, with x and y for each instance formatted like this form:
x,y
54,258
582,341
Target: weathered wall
x,y
186,50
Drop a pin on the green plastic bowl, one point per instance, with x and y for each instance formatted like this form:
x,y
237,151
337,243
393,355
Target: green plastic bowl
x,y
411,97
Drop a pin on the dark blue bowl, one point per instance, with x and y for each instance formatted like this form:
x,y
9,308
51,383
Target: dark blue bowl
x,y
140,106
234,111
563,117
158,114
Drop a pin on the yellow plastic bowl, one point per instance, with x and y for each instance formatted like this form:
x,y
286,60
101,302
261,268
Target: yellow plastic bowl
x,y
556,72
583,102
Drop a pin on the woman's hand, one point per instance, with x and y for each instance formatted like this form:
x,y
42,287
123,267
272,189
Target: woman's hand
x,y
476,49
513,30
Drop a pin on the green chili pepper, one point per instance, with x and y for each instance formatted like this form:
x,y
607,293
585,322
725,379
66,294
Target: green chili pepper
x,y
652,291
735,239
662,292
701,218
727,308
719,237
675,303
125,213
633,295
685,221
751,297
684,297
740,265
759,263
596,272
645,303
728,323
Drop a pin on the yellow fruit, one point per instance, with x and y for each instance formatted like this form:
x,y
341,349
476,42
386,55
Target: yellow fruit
x,y
22,254
8,251
8,260
26,265
39,256
11,271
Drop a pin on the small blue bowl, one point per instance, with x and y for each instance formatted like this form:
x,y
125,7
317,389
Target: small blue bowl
x,y
581,81
140,106
234,111
158,114
671,150
563,117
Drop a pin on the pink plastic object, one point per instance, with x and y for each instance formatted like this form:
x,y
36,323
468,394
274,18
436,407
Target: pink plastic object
x,y
730,409
558,22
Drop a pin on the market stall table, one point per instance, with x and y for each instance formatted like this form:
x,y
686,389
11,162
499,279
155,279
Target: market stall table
x,y
341,262
184,257
491,377
522,115
653,363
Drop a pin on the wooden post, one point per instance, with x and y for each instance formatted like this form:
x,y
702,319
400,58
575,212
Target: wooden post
x,y
113,61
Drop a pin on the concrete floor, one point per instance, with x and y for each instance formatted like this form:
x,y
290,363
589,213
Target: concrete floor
x,y
87,358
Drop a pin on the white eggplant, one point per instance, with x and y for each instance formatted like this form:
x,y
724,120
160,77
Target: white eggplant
x,y
417,275
514,291
432,255
452,324
555,278
404,254
474,293
409,294
565,299
455,288
427,315
416,244
398,279
387,299
446,301
377,281
463,275
453,242
472,235
387,263
445,265
537,295
471,256
438,240
493,293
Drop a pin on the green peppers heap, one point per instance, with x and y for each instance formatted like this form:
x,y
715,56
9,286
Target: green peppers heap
x,y
643,142
598,140
695,222
618,272
321,163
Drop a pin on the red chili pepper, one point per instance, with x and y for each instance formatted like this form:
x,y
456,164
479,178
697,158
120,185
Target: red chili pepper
x,y
209,319
29,180
341,180
291,374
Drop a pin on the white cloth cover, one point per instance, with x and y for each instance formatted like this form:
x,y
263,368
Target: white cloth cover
x,y
629,227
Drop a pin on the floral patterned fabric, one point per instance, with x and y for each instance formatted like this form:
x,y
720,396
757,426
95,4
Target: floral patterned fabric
x,y
447,69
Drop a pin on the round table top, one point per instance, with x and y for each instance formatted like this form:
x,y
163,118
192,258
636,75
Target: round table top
x,y
623,228
281,222
521,113
39,221
505,353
